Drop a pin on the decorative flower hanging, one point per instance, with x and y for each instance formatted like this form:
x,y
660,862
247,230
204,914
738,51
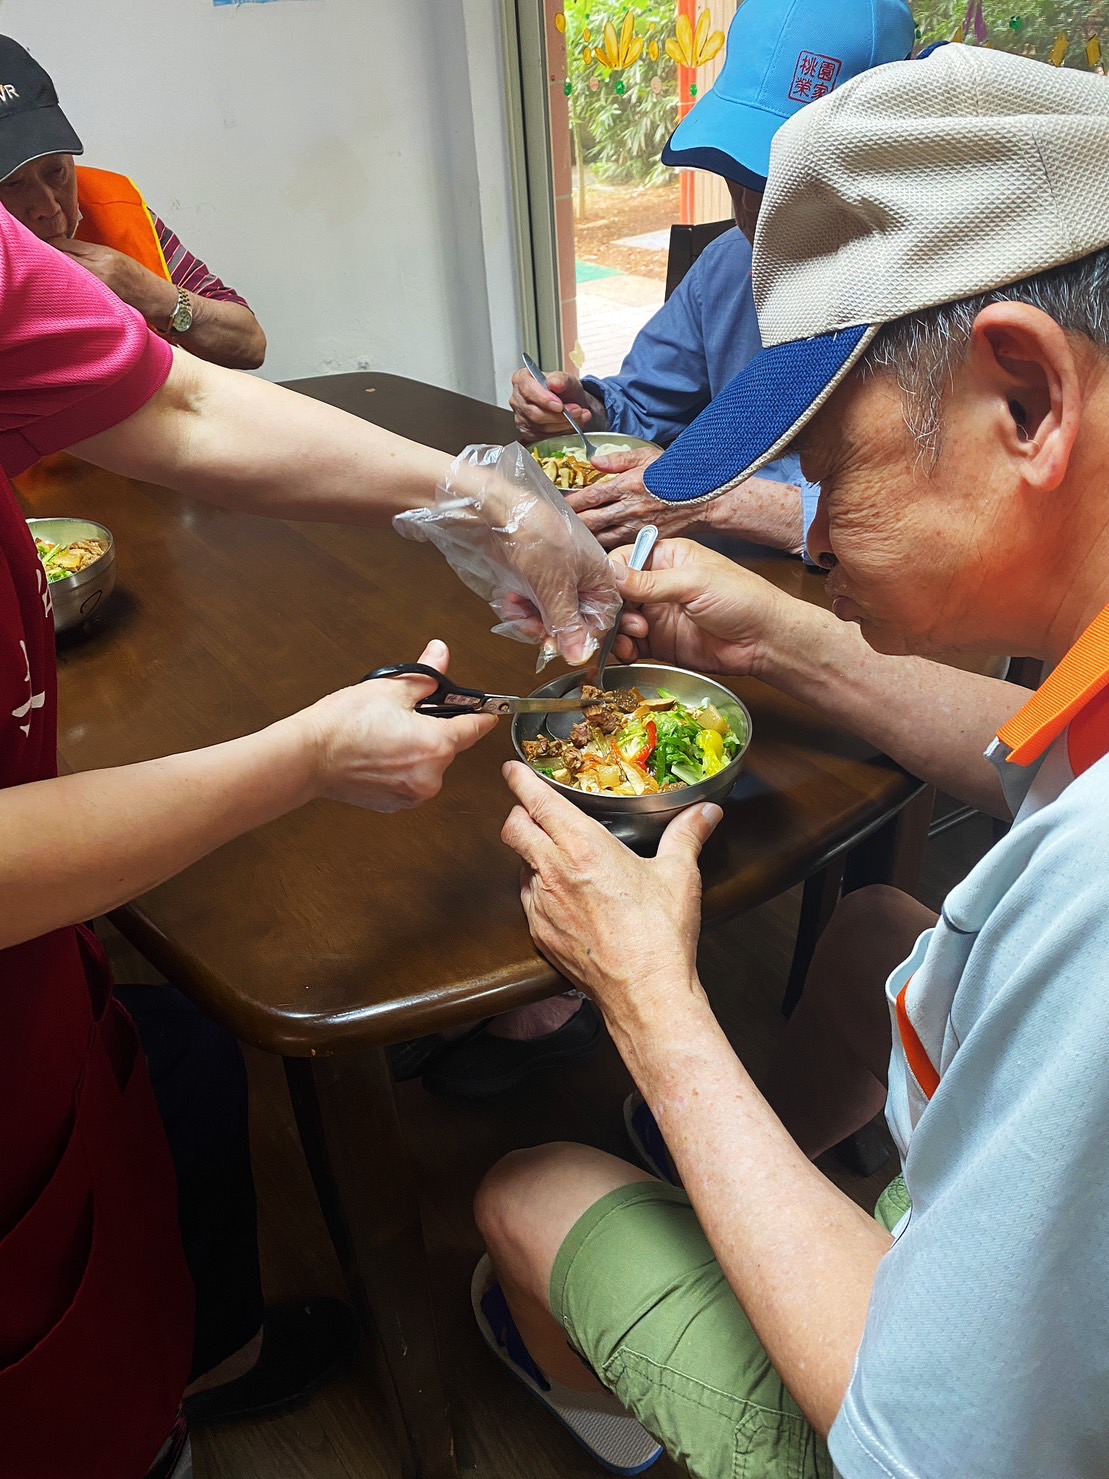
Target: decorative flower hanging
x,y
616,54
975,18
690,48
1093,52
560,23
1058,52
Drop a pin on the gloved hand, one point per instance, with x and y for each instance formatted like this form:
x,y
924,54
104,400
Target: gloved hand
x,y
508,533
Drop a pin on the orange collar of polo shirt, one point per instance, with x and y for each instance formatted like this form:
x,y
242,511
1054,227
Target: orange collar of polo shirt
x,y
1081,678
1076,694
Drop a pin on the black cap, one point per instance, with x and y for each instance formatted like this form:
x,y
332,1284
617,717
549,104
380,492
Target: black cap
x,y
31,123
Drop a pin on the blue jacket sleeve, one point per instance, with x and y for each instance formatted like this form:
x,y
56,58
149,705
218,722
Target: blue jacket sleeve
x,y
664,380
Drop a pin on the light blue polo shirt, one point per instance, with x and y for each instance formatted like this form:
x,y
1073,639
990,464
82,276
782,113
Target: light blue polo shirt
x,y
986,1351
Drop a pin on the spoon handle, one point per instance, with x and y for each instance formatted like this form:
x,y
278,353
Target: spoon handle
x,y
589,451
645,542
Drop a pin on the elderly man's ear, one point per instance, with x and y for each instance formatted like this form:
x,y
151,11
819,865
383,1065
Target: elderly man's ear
x,y
1033,386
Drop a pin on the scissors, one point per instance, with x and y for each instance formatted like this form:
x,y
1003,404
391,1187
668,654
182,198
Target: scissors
x,y
451,699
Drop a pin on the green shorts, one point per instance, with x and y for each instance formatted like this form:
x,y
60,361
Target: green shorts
x,y
640,1295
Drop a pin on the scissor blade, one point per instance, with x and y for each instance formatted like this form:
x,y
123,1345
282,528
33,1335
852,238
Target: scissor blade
x,y
542,705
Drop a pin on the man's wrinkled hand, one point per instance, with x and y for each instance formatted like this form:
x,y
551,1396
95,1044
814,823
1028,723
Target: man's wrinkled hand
x,y
615,510
539,413
621,927
697,609
135,284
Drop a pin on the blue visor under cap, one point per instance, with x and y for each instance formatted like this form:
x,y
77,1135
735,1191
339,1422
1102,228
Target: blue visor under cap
x,y
716,163
753,420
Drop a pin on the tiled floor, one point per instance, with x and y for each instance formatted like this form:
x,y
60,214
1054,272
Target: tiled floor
x,y
344,1432
610,314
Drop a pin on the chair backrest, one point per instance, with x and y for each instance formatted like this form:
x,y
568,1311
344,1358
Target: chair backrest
x,y
686,245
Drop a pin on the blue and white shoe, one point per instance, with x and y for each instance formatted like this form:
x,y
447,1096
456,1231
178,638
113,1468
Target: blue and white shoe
x,y
611,1434
650,1148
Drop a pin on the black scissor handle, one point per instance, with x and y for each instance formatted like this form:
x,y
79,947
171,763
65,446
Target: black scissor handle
x,y
448,700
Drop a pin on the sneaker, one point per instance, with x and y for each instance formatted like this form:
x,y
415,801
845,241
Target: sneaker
x,y
650,1148
612,1435
480,1065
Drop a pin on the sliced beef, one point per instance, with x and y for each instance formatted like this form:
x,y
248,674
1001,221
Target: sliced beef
x,y
559,752
541,748
605,718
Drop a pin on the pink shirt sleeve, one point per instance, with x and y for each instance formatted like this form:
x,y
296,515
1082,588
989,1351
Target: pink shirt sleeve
x,y
74,360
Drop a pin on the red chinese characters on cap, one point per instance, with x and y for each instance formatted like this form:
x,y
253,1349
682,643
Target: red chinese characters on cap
x,y
814,76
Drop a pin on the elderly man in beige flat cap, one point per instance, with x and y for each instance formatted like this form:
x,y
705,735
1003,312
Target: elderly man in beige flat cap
x,y
932,278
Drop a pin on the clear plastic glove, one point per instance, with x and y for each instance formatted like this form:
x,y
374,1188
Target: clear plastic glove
x,y
507,532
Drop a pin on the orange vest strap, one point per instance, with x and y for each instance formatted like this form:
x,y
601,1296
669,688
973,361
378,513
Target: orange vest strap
x,y
923,1069
1079,678
114,214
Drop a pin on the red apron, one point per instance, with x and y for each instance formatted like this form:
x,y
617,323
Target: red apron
x,y
95,1298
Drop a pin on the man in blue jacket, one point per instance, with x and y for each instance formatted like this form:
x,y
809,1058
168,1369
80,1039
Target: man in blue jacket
x,y
781,55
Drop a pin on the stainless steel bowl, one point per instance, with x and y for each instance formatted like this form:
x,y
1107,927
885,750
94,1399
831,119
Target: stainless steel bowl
x,y
556,446
641,820
78,597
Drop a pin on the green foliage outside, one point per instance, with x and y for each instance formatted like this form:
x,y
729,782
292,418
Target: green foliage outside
x,y
621,124
1029,29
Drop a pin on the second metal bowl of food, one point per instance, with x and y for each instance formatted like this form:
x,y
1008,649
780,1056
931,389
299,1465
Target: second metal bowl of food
x,y
76,597
607,441
566,476
641,820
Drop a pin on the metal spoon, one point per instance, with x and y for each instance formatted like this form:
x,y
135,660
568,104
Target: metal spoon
x,y
589,446
560,725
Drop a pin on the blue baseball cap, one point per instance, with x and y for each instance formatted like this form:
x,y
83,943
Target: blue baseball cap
x,y
781,55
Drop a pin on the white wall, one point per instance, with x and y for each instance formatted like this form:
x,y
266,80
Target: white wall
x,y
343,163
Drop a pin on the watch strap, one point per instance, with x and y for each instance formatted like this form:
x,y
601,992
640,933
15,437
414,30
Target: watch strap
x,y
181,320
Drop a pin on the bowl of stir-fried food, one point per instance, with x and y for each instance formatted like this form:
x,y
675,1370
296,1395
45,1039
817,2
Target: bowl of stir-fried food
x,y
561,458
79,562
656,740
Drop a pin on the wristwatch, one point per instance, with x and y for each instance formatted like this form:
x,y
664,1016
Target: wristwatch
x,y
182,320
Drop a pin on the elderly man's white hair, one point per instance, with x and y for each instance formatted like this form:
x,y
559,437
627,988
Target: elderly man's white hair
x,y
924,350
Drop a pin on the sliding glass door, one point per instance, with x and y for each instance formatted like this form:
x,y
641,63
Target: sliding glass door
x,y
616,79
603,85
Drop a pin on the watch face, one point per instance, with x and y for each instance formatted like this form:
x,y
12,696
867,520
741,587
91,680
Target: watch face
x,y
183,319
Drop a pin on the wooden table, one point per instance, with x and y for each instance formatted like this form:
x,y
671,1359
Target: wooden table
x,y
334,931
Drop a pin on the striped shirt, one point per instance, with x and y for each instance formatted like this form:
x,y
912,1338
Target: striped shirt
x,y
189,272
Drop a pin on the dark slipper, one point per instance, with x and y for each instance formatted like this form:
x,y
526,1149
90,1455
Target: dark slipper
x,y
303,1344
409,1059
483,1065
